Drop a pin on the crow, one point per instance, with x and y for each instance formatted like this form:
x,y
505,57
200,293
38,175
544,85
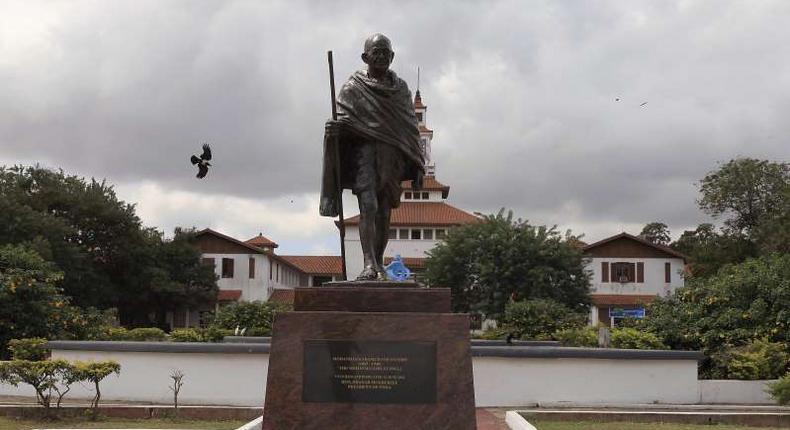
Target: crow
x,y
202,162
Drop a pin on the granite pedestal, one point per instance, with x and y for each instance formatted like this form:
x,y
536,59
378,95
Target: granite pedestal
x,y
374,355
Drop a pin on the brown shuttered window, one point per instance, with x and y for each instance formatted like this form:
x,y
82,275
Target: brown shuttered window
x,y
640,272
667,272
227,268
252,268
604,271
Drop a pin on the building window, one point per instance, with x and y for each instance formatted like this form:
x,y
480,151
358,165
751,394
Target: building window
x,y
271,270
667,273
416,233
623,272
440,233
393,234
640,272
403,233
419,116
407,195
425,195
416,196
252,268
427,234
227,267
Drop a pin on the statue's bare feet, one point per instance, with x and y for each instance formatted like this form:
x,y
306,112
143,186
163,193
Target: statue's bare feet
x,y
369,273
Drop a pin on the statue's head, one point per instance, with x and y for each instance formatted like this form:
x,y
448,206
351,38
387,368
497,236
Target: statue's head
x,y
378,53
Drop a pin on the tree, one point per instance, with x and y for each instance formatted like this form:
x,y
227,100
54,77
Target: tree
x,y
656,232
709,250
31,305
540,318
108,258
746,190
487,263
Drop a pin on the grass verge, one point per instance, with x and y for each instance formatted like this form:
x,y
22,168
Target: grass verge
x,y
8,423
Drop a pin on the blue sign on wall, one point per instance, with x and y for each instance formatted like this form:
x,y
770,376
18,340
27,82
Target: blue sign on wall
x,y
627,313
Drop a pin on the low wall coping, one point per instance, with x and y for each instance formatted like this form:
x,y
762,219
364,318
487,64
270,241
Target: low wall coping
x,y
596,353
475,342
177,347
514,351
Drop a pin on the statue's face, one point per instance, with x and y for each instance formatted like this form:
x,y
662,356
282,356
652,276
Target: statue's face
x,y
378,57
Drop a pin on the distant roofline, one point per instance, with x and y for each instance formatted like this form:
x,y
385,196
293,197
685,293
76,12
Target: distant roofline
x,y
641,240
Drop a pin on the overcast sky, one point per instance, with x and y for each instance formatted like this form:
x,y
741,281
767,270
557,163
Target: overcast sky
x,y
522,96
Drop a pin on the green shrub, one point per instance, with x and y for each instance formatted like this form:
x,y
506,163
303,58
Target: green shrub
x,y
631,338
760,359
186,335
28,349
51,379
146,334
492,334
115,333
94,372
539,318
215,334
257,317
578,336
780,390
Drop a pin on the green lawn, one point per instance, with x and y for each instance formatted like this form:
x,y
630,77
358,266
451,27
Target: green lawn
x,y
590,425
7,423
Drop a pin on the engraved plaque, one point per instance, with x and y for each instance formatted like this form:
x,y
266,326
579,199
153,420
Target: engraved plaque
x,y
347,371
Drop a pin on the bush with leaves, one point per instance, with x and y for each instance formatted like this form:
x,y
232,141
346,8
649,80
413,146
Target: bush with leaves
x,y
578,336
94,372
257,317
760,359
186,335
146,334
32,349
539,318
51,379
739,304
780,390
631,338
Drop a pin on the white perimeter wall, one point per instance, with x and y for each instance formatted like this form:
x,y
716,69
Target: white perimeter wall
x,y
734,392
240,379
578,381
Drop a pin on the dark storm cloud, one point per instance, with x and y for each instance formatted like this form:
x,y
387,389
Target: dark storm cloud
x,y
521,95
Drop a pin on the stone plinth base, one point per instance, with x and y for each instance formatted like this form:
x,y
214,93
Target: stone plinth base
x,y
370,370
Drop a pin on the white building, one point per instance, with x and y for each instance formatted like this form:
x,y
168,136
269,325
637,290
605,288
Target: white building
x,y
421,221
246,271
629,272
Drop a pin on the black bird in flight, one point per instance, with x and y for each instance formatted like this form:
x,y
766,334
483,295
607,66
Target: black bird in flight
x,y
643,104
202,162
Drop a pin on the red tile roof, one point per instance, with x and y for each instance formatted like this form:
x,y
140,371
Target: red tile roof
x,y
424,129
429,183
316,264
230,239
410,262
425,214
641,240
282,295
228,295
261,241
418,100
621,299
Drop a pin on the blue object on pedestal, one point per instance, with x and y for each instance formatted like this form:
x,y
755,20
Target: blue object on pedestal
x,y
396,270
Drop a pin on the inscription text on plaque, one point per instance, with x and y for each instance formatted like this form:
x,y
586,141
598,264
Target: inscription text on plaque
x,y
362,371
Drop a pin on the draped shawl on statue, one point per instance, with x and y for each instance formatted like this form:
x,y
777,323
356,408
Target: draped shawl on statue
x,y
375,111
